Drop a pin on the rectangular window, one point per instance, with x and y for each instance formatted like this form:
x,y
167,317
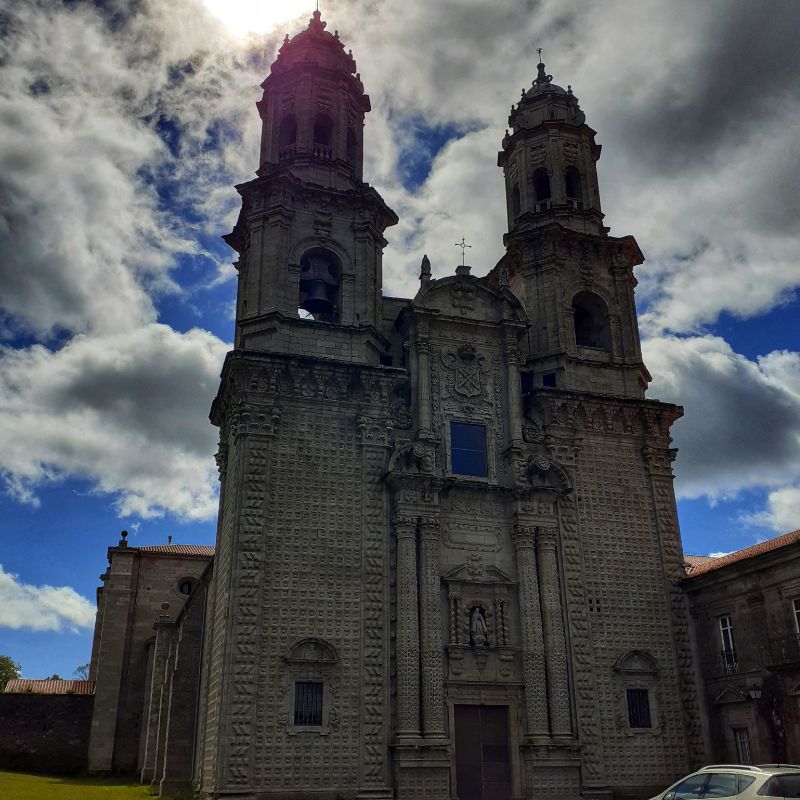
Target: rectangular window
x,y
796,614
468,449
741,739
639,708
308,703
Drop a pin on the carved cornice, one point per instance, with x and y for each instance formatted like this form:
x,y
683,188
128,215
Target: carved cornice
x,y
563,409
547,538
261,377
523,537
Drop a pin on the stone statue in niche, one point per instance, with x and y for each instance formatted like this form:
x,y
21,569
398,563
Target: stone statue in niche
x,y
479,633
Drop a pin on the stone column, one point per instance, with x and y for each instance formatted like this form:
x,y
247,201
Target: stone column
x,y
533,663
431,630
423,383
555,640
407,628
514,389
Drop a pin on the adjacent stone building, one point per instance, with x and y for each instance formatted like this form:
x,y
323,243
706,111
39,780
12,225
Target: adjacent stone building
x,y
142,586
746,611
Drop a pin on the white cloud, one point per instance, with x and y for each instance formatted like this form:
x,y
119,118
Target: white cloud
x,y
42,608
741,428
129,412
782,513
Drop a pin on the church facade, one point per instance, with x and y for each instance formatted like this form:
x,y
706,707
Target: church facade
x,y
448,561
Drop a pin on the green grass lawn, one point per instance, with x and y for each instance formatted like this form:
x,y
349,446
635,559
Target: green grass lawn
x,y
21,786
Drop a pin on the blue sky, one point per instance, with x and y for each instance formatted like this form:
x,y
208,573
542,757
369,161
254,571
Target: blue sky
x,y
123,133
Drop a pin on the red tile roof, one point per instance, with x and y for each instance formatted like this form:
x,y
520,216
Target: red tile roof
x,y
179,549
48,686
740,555
695,561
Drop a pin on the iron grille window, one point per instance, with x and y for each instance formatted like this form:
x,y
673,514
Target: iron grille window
x,y
468,449
639,708
796,610
308,703
741,738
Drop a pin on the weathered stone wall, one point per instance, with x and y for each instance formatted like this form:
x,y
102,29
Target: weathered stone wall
x,y
44,733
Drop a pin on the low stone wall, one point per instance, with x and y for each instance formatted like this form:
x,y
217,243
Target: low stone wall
x,y
45,733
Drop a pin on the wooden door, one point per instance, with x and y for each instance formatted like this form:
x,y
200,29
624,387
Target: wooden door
x,y
483,764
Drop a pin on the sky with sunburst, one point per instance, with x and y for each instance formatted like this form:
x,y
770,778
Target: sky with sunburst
x,y
124,126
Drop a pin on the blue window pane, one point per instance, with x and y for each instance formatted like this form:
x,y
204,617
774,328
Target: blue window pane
x,y
468,449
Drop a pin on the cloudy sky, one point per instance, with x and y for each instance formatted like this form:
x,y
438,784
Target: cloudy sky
x,y
123,127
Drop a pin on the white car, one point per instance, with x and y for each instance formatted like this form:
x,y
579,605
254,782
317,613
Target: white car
x,y
737,780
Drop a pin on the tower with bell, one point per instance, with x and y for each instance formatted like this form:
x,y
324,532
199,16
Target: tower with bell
x,y
576,280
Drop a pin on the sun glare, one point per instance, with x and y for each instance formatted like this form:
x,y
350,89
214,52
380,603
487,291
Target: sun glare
x,y
257,16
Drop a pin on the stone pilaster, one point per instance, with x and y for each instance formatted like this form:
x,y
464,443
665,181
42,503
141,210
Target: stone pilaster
x,y
423,348
407,628
431,630
533,664
554,637
514,390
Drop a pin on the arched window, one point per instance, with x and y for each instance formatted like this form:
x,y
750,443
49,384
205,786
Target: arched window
x,y
572,184
319,285
352,146
287,136
323,136
590,315
515,202
541,189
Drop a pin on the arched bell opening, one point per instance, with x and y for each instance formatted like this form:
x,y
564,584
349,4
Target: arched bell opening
x,y
541,189
323,137
319,285
572,185
287,137
590,315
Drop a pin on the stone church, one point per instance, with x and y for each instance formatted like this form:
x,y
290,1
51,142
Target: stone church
x,y
448,561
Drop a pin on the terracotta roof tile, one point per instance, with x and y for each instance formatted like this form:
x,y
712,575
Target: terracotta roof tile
x,y
740,555
179,549
48,686
695,561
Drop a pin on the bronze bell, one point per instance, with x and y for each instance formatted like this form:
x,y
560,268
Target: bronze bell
x,y
317,285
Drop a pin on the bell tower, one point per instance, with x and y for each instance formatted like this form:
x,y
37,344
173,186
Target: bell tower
x,y
575,280
310,233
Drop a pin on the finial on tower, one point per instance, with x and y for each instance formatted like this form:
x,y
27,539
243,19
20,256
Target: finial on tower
x,y
123,542
463,245
539,51
315,23
542,78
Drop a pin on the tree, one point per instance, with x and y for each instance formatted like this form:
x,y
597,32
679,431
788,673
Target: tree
x,y
54,677
8,671
82,672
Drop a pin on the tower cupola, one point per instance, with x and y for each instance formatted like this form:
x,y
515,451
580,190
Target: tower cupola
x,y
313,109
549,160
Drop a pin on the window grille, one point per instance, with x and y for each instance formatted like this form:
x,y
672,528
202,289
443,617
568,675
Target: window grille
x,y
796,612
639,708
741,738
308,703
729,659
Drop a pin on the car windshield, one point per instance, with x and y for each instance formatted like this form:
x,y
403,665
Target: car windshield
x,y
782,786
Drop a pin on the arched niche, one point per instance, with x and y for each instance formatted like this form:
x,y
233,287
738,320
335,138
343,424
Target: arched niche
x,y
590,318
287,136
636,662
541,189
572,186
323,136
